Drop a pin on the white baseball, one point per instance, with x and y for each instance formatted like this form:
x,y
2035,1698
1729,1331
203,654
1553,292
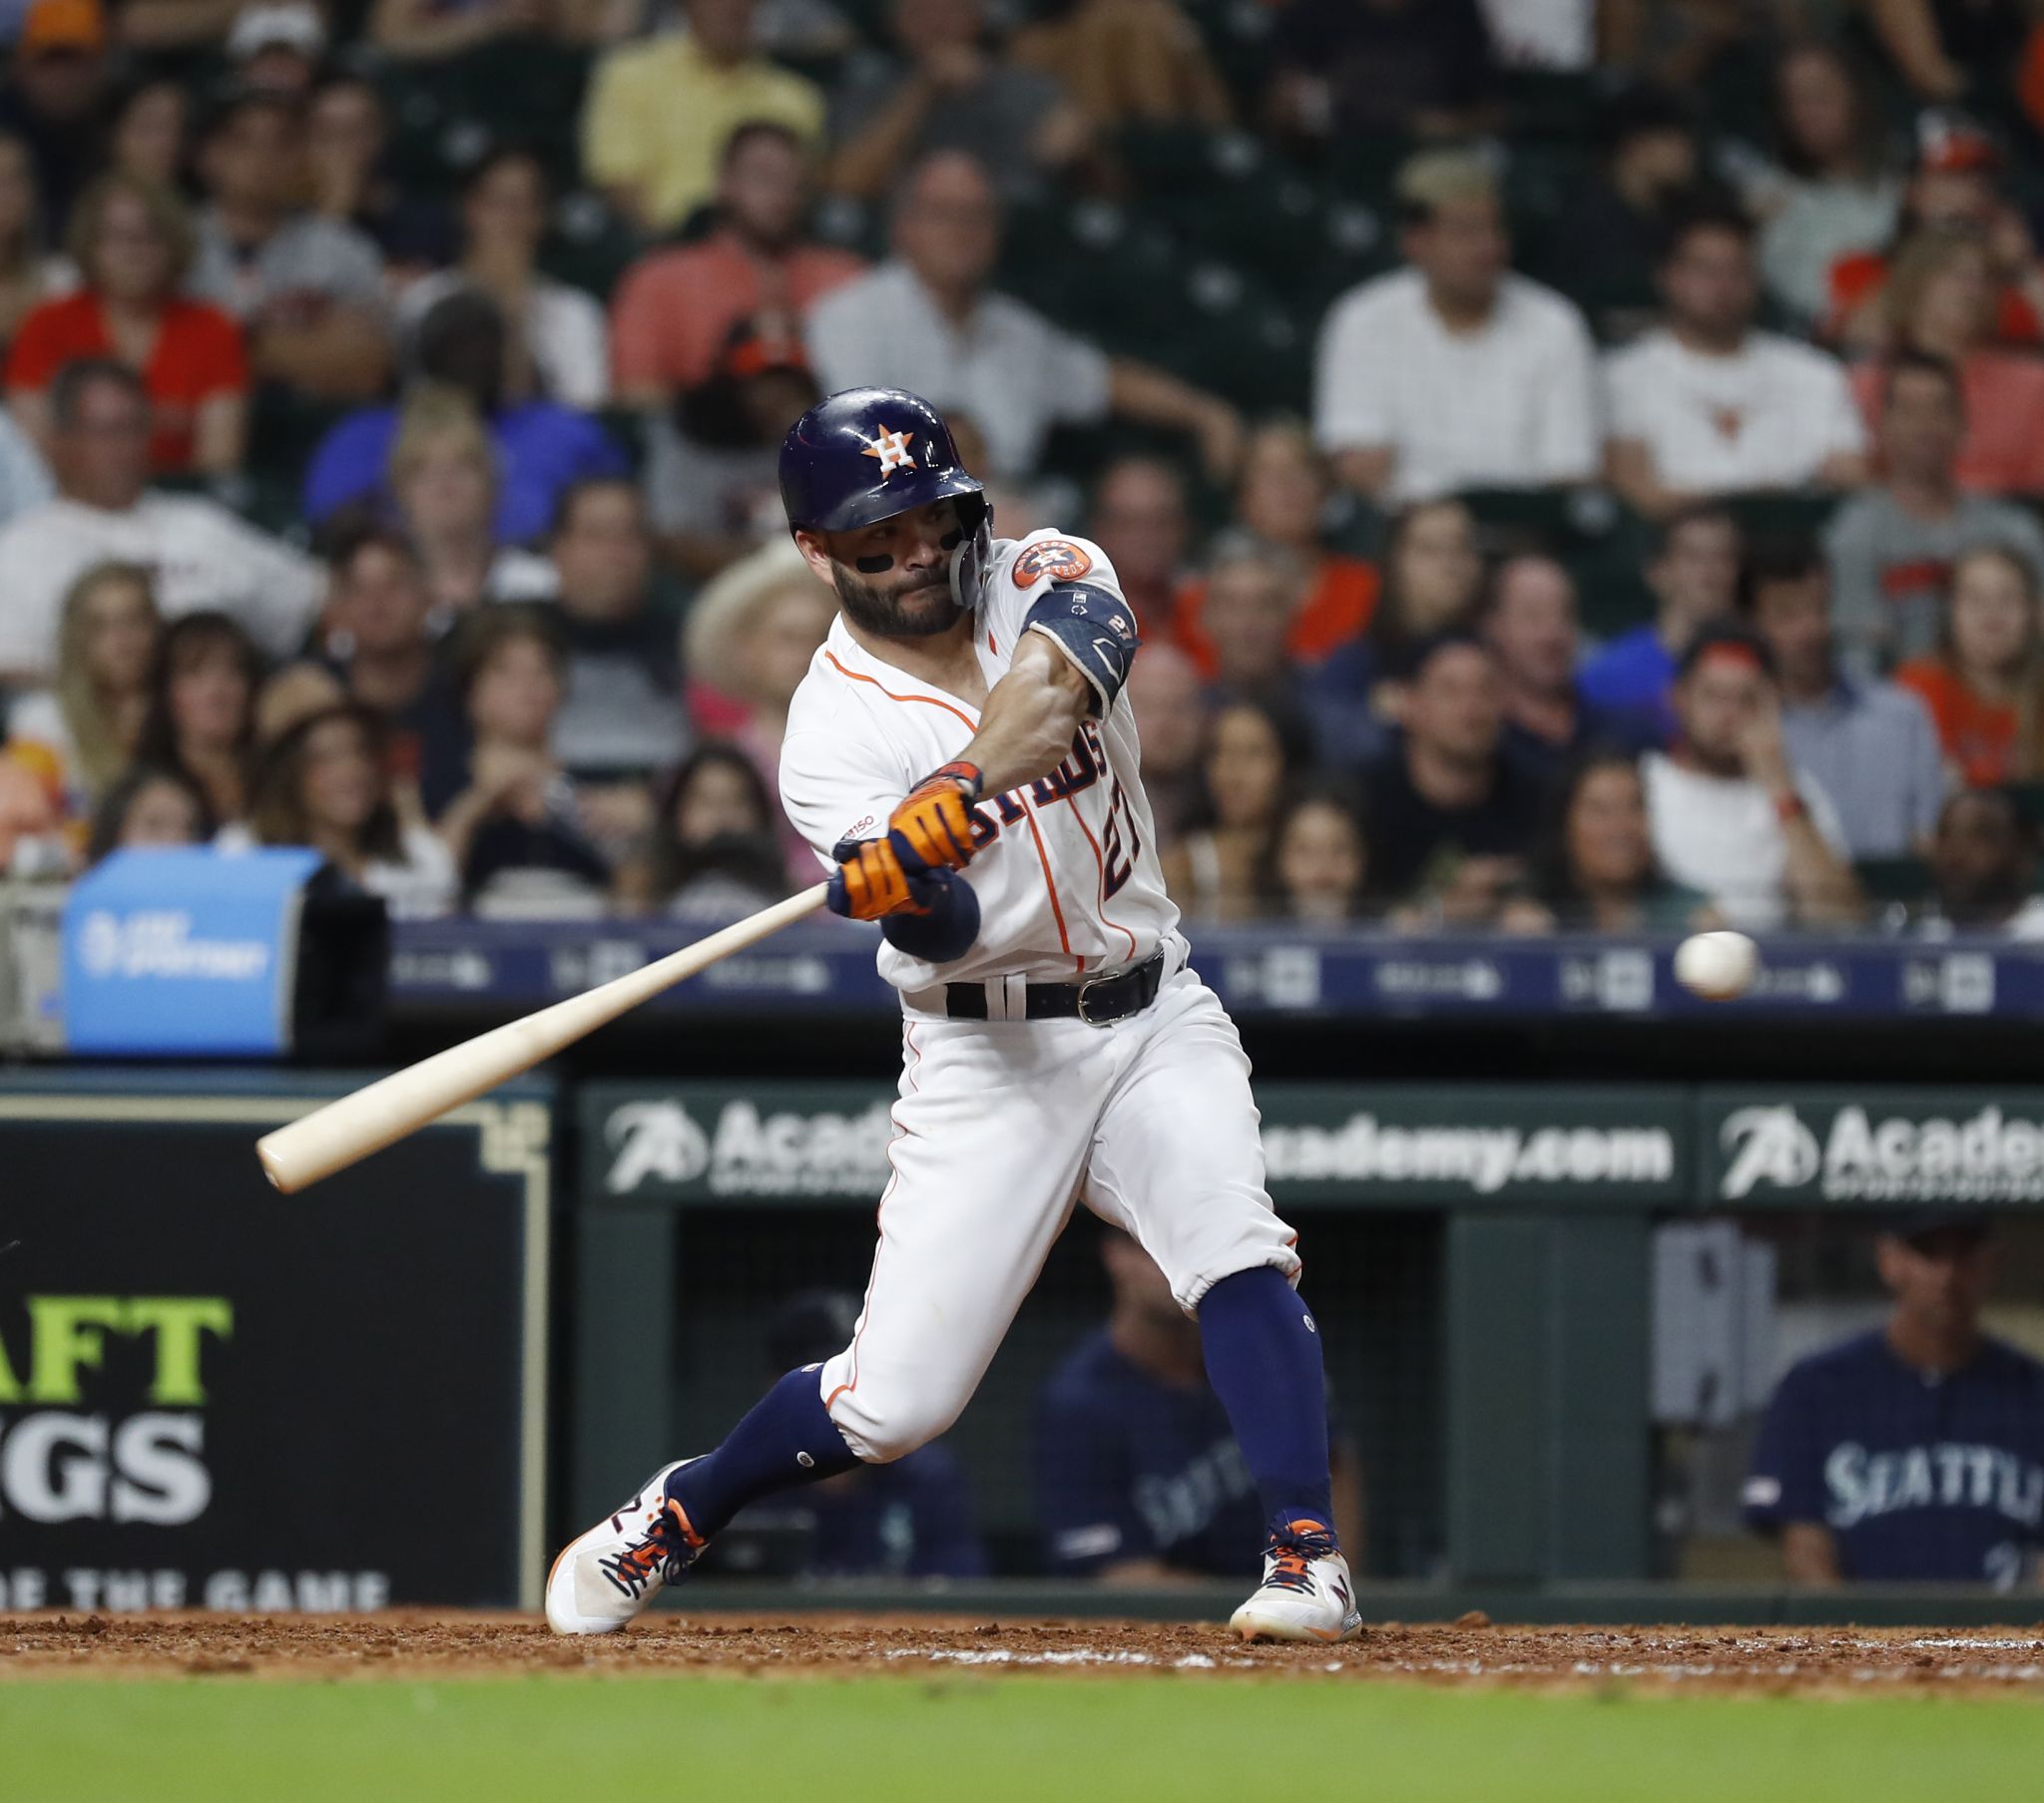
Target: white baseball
x,y
1717,966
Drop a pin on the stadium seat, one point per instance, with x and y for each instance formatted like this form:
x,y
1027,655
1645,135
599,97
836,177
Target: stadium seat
x,y
1893,879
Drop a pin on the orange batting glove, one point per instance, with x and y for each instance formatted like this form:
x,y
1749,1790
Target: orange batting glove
x,y
934,820
869,881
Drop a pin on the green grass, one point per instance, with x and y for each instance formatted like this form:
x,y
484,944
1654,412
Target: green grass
x,y
984,1739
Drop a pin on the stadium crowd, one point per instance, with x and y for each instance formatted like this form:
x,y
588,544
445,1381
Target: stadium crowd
x,y
1576,461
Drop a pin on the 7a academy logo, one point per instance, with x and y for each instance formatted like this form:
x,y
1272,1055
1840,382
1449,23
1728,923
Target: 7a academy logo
x,y
794,1152
1986,1157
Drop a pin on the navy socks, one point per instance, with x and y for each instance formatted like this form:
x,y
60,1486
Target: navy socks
x,y
1264,1361
786,1438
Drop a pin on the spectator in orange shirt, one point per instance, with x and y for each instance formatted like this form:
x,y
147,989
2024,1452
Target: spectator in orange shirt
x,y
676,306
133,243
1282,499
1985,688
1940,303
1955,184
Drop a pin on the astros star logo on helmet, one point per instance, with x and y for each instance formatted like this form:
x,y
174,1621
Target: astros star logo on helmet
x,y
892,448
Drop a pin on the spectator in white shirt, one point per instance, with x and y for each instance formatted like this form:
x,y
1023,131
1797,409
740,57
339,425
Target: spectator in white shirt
x,y
1454,372
202,555
1732,817
927,321
1706,405
561,330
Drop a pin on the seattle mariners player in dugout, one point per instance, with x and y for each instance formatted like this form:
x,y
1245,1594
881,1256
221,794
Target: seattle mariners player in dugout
x,y
964,760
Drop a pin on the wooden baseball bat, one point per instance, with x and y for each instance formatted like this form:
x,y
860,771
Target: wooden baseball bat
x,y
335,1136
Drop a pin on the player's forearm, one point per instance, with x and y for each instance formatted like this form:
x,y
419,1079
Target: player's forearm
x,y
1026,726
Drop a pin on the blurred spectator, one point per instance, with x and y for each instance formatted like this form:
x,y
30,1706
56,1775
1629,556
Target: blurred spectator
x,y
1984,869
1913,1454
326,783
201,720
1529,623
150,138
378,640
1871,746
750,639
622,715
1252,593
944,88
1940,303
307,290
1138,1476
927,321
1450,815
1984,686
1141,519
1940,46
149,805
504,203
1383,67
1165,691
1732,816
541,446
443,479
514,831
910,1519
715,853
276,46
418,31
1432,580
291,693
658,112
1705,404
1832,191
1282,499
1315,866
1892,545
29,274
1125,62
1593,867
1694,573
133,244
675,310
203,555
1453,372
712,465
88,723
55,98
346,137
1603,247
1250,757
1956,187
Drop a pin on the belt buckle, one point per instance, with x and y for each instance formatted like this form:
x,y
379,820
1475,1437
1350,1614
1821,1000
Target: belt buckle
x,y
1087,987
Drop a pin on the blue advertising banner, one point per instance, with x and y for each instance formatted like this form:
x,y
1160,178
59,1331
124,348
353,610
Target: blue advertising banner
x,y
184,951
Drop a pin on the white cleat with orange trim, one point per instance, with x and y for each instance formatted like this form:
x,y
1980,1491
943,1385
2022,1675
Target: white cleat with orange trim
x,y
1307,1593
606,1575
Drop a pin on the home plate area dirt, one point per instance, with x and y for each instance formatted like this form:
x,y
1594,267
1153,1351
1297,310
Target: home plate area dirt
x,y
1471,1652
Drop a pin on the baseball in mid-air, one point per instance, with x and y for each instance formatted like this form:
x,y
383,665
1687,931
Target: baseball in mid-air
x,y
1717,966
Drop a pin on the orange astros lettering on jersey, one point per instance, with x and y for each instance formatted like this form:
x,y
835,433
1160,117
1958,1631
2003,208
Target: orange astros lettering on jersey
x,y
1058,559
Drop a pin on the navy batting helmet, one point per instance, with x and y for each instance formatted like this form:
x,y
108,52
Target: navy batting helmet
x,y
867,454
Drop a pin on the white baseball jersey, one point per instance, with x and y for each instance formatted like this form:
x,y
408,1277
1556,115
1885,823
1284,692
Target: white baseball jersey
x,y
1066,875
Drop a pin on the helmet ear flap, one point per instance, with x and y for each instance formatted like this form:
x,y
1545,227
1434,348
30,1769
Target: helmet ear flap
x,y
970,561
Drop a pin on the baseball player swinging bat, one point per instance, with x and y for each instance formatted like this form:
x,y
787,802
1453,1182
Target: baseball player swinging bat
x,y
961,757
337,1136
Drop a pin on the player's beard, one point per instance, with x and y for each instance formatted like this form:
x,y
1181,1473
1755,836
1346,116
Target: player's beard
x,y
920,608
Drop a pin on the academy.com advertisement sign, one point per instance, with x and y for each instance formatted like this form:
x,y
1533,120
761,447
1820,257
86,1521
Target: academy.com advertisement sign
x,y
792,1143
213,1396
1873,1148
1393,1144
